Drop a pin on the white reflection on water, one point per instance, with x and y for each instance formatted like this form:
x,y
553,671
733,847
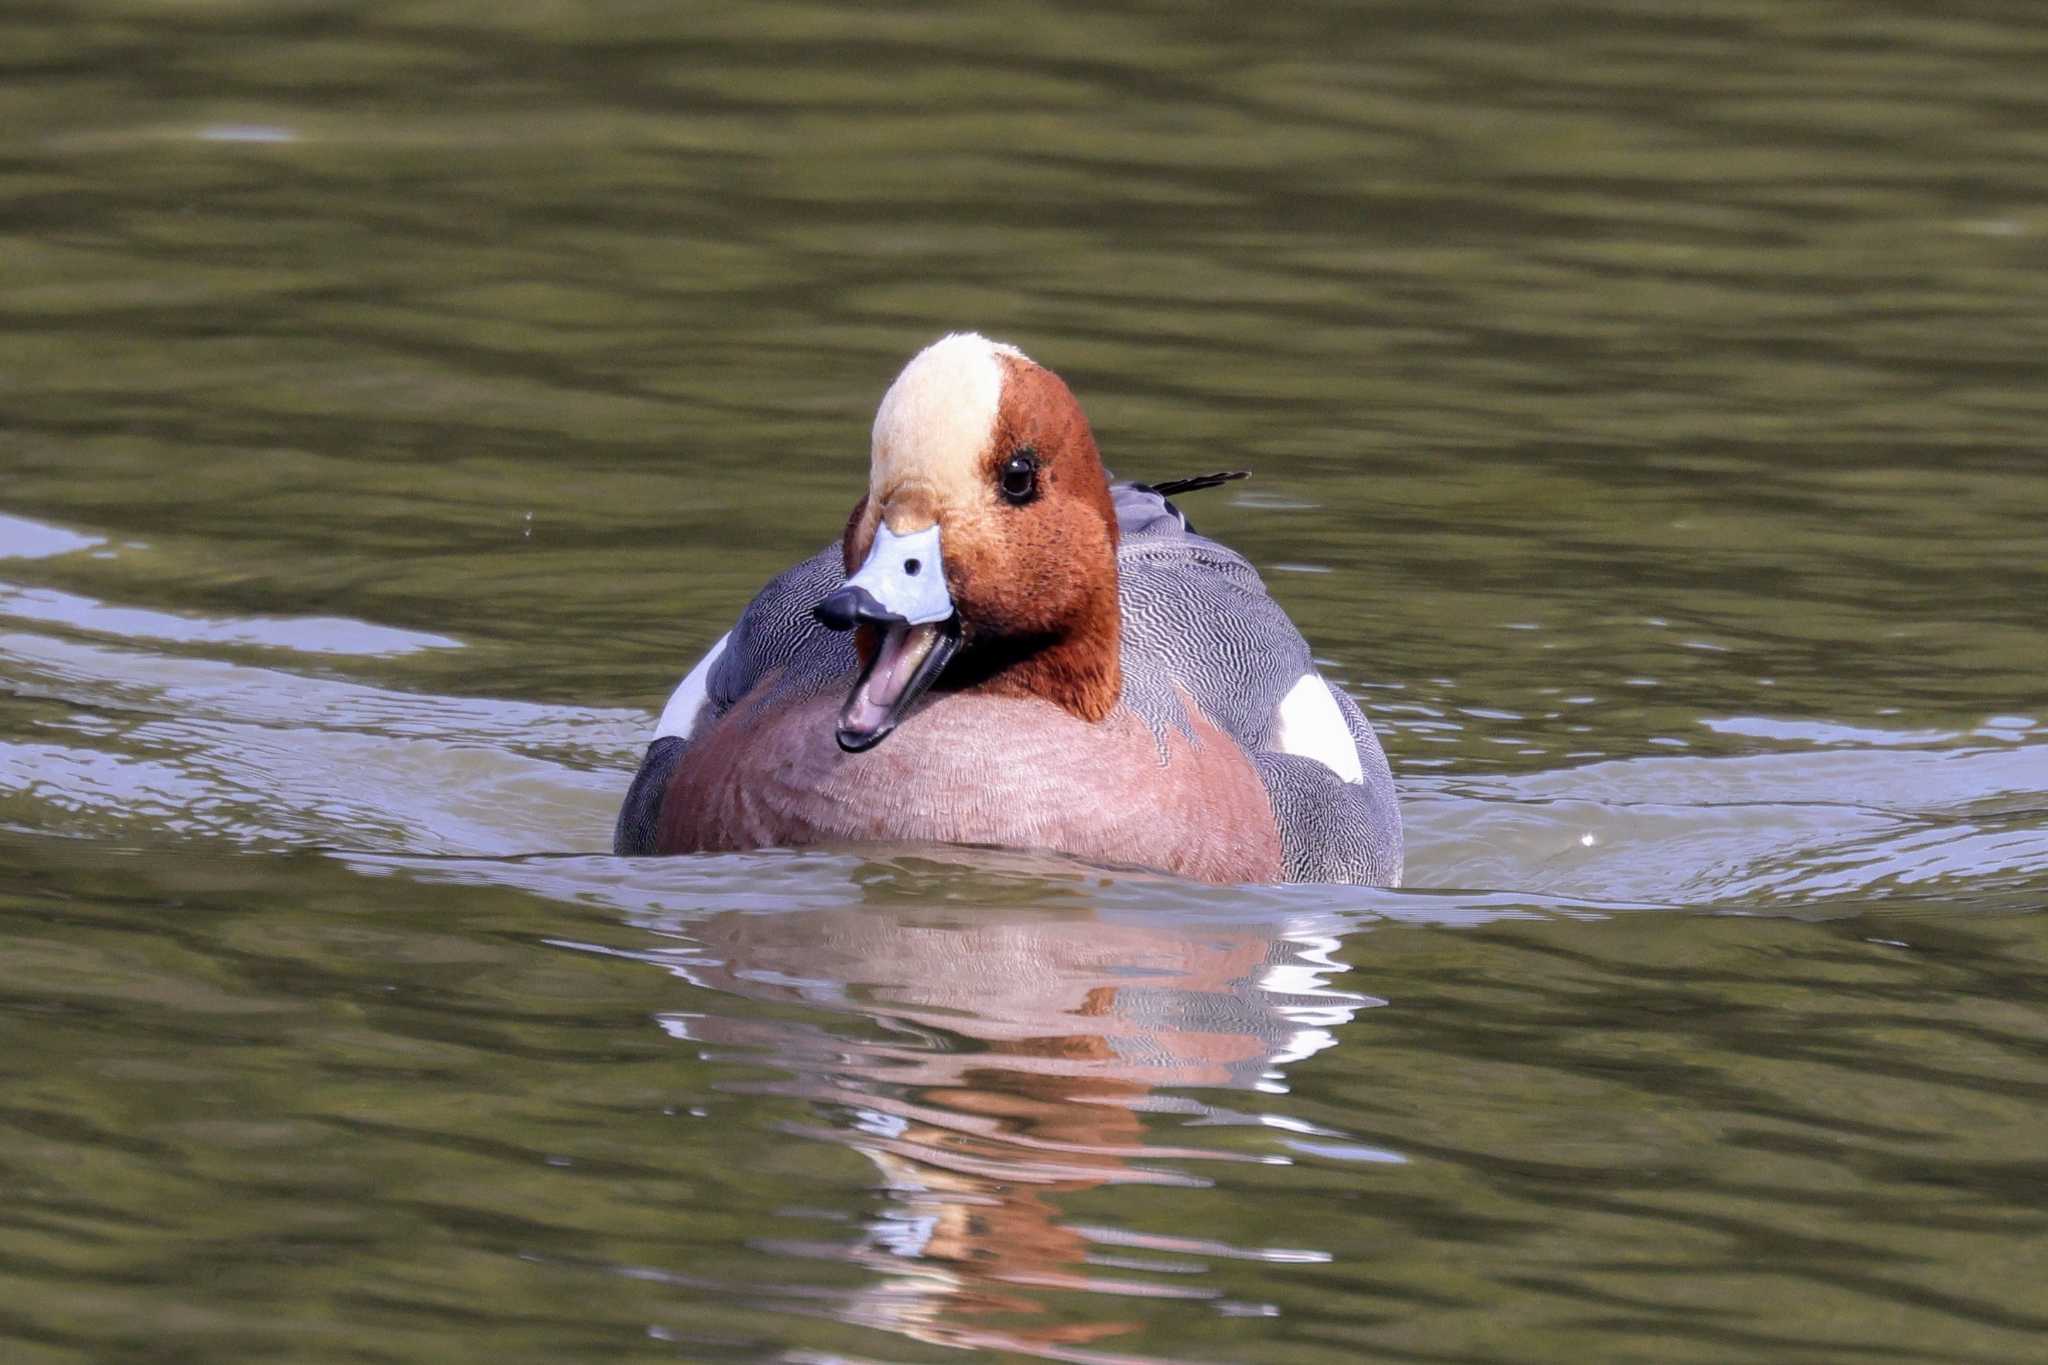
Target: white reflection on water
x,y
304,634
21,538
246,132
270,758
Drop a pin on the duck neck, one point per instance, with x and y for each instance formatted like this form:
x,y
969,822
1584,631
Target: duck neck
x,y
1079,670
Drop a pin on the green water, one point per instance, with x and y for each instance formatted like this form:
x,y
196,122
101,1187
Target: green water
x,y
1647,407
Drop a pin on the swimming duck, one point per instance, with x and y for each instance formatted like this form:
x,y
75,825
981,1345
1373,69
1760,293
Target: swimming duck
x,y
1005,649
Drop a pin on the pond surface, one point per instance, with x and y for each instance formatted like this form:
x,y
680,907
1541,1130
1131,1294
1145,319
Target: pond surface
x,y
1647,408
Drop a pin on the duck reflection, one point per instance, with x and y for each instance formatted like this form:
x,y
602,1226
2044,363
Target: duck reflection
x,y
1007,1056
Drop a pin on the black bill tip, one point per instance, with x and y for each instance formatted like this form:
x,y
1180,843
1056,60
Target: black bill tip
x,y
846,607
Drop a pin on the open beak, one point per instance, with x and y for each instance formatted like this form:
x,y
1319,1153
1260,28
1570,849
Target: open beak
x,y
901,591
906,663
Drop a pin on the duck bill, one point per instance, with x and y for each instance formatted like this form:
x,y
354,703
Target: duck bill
x,y
906,662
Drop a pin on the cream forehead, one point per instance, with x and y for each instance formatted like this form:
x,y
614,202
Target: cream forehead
x,y
935,420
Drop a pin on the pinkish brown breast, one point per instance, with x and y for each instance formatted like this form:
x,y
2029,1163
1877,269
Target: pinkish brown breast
x,y
969,769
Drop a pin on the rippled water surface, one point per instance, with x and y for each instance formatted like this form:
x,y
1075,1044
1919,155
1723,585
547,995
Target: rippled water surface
x,y
1647,409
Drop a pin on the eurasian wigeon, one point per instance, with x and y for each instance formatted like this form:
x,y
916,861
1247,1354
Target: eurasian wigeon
x,y
1005,649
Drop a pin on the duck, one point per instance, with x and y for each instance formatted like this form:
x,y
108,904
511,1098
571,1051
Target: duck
x,y
1005,648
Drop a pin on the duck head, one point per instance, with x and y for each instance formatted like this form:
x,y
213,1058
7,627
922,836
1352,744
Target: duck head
x,y
984,553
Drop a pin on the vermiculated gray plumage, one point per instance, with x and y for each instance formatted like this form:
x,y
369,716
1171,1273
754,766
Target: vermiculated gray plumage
x,y
1195,615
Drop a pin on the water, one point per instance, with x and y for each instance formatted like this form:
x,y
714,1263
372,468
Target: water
x,y
1646,405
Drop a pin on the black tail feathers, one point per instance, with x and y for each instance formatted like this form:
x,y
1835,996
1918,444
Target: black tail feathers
x,y
1173,488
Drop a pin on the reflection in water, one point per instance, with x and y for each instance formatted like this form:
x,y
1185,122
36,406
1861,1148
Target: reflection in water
x,y
1005,1059
307,635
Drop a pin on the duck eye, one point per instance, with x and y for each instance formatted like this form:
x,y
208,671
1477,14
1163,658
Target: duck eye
x,y
1019,480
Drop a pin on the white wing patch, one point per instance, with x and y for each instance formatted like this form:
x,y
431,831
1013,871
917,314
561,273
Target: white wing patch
x,y
679,717
1310,724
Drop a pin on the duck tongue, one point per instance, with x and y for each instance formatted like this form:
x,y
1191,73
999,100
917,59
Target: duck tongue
x,y
907,661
